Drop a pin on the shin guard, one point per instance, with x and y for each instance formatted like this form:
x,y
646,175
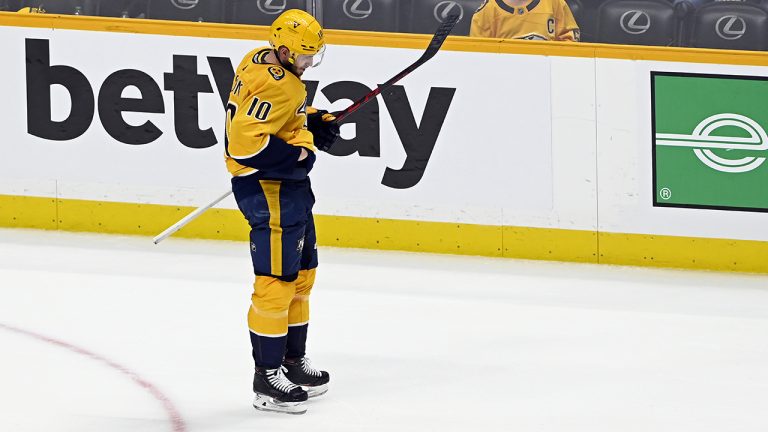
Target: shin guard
x,y
298,315
268,319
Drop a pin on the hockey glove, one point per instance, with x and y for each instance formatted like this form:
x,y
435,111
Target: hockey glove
x,y
324,128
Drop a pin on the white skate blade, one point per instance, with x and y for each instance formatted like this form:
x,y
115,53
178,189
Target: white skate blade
x,y
265,403
316,391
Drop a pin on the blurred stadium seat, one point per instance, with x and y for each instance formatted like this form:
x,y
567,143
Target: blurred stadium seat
x,y
638,22
371,15
723,24
424,16
186,10
64,7
261,12
9,6
586,18
730,25
123,8
578,10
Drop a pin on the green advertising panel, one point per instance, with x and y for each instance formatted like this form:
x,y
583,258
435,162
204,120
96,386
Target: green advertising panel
x,y
709,141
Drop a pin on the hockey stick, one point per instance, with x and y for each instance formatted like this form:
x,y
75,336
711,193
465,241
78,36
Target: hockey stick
x,y
434,46
188,218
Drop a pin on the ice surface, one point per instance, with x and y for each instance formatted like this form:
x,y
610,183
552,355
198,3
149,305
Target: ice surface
x,y
413,342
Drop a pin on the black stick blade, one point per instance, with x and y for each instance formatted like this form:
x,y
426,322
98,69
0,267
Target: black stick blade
x,y
442,33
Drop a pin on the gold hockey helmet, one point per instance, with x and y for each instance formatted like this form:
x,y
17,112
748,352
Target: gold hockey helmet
x,y
301,34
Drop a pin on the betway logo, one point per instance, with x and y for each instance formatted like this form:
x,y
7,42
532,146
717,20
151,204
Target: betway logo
x,y
186,84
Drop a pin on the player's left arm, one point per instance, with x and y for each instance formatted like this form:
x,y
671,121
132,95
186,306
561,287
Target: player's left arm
x,y
566,28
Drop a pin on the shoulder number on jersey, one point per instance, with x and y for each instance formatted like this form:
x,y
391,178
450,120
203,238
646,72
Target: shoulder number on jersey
x,y
259,109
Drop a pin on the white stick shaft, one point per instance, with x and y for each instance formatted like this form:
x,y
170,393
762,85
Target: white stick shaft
x,y
188,218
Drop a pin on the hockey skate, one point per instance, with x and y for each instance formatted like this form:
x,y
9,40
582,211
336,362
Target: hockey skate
x,y
301,372
274,392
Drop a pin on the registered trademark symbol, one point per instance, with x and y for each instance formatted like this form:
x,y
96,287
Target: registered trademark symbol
x,y
665,193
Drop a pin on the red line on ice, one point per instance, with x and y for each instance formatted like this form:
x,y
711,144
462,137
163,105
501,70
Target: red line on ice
x,y
173,414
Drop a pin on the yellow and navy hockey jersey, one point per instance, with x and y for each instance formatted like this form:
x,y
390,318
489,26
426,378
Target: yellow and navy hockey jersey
x,y
266,121
538,20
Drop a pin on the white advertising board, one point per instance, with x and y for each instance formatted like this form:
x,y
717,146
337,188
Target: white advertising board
x,y
479,138
482,154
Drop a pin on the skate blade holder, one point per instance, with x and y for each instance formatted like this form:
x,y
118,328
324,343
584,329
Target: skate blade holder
x,y
266,403
316,390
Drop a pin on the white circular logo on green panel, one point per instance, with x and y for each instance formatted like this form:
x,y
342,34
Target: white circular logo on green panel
x,y
703,140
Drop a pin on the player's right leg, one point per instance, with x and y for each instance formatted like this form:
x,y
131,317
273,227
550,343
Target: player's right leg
x,y
268,324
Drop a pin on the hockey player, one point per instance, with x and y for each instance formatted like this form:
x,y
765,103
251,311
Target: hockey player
x,y
525,19
270,149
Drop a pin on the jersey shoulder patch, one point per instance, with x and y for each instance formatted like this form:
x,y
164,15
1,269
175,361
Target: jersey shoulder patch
x,y
277,72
